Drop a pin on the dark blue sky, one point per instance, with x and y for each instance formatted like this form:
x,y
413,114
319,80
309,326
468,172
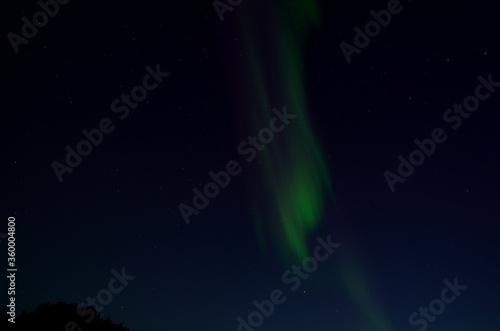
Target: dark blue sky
x,y
119,207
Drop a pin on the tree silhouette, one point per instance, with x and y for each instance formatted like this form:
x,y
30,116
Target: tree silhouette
x,y
56,317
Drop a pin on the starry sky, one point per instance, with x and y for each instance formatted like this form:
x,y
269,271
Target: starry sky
x,y
381,143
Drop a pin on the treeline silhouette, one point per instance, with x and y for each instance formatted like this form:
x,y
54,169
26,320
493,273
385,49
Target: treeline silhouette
x,y
55,317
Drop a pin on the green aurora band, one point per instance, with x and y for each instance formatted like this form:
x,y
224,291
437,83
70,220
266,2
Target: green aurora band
x,y
295,169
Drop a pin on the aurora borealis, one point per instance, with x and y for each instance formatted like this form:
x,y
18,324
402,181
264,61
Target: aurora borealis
x,y
295,168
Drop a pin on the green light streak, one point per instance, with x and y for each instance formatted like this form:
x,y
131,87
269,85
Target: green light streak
x,y
295,170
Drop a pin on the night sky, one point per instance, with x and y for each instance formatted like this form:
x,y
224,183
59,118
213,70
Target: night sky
x,y
282,152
